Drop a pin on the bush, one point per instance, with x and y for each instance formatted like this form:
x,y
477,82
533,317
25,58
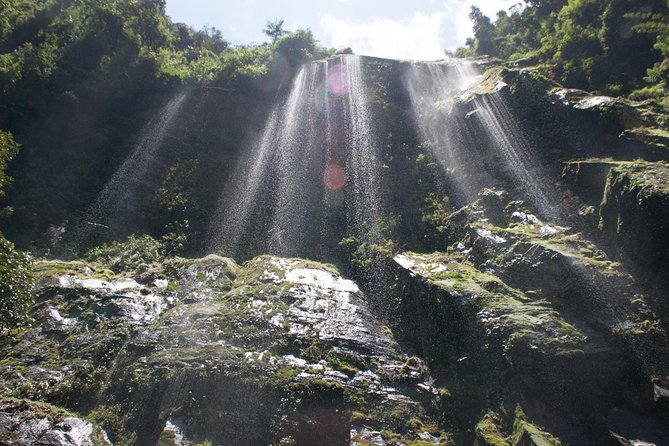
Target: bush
x,y
299,47
16,286
127,255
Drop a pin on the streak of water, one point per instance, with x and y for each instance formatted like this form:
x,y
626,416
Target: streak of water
x,y
300,160
433,89
366,203
120,199
522,164
273,196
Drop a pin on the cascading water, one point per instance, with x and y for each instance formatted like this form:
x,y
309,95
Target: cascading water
x,y
366,204
300,159
316,157
503,129
434,90
120,199
275,196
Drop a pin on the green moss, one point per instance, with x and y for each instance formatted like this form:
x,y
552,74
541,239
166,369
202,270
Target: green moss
x,y
114,424
488,433
289,372
342,366
49,268
523,428
443,392
492,80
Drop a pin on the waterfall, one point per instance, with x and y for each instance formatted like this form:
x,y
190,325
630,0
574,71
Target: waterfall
x,y
274,194
366,204
314,171
117,205
517,152
435,89
300,162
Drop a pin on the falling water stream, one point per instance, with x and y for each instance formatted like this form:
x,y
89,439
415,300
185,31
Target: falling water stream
x,y
314,174
434,89
280,175
121,197
316,158
367,202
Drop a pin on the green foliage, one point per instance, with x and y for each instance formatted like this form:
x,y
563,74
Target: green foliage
x,y
274,30
16,286
365,255
127,255
435,211
483,33
298,47
8,149
607,46
114,425
16,279
137,250
245,62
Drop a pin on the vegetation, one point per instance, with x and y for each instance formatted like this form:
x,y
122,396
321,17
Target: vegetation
x,y
78,80
16,282
616,46
16,286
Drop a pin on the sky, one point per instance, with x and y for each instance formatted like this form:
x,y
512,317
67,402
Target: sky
x,y
397,29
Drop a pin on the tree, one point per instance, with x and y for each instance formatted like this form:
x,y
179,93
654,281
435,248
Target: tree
x,y
8,149
16,281
274,30
483,32
297,47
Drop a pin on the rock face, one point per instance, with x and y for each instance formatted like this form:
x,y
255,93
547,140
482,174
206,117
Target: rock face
x,y
635,217
514,293
25,423
519,319
275,351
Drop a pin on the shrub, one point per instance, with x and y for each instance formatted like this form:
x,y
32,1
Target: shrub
x,y
16,286
127,255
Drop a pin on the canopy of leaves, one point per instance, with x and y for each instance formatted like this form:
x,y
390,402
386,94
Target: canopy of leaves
x,y
613,46
16,281
8,149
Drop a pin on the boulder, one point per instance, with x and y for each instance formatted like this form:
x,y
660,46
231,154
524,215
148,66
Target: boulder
x,y
27,423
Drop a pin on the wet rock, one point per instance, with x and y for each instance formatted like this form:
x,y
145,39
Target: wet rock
x,y
631,129
207,350
553,271
505,314
632,428
489,432
587,178
527,434
635,216
27,423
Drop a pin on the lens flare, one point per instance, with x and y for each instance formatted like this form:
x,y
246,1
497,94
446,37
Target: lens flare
x,y
334,177
320,100
337,83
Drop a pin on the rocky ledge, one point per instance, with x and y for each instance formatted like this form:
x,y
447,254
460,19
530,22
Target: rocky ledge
x,y
277,351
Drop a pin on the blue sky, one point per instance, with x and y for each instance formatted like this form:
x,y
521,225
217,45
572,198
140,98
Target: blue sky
x,y
416,29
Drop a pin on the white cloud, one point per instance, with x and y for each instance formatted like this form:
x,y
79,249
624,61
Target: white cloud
x,y
457,13
415,38
421,36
